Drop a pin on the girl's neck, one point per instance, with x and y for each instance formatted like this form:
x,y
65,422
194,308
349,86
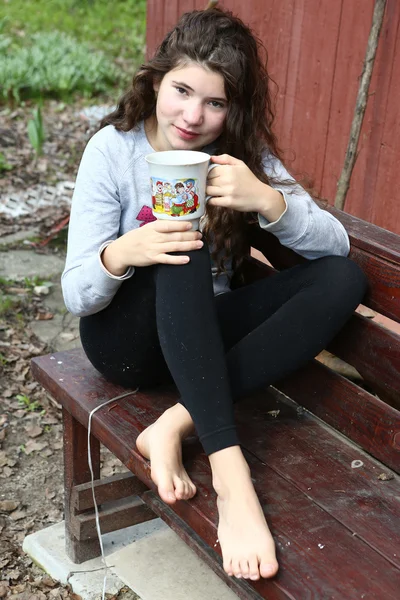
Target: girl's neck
x,y
150,129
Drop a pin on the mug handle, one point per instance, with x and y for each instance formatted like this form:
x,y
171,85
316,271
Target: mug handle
x,y
210,167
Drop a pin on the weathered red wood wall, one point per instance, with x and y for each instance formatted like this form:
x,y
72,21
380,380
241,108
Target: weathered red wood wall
x,y
316,50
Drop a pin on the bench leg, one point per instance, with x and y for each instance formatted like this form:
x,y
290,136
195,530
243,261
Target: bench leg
x,y
76,471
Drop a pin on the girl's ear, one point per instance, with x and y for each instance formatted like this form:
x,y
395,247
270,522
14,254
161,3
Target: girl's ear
x,y
156,85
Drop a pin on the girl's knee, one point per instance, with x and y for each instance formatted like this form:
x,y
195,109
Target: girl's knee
x,y
344,276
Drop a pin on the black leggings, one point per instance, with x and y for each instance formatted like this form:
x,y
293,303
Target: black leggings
x,y
165,321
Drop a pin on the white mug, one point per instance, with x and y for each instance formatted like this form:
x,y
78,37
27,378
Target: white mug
x,y
178,184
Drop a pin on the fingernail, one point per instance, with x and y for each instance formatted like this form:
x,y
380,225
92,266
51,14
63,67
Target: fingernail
x,y
171,496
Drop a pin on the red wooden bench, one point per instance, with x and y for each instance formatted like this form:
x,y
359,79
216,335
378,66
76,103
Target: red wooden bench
x,y
336,524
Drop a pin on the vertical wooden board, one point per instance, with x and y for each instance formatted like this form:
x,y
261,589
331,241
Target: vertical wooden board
x,y
355,19
272,23
371,192
171,15
363,193
363,190
154,26
308,93
188,5
386,208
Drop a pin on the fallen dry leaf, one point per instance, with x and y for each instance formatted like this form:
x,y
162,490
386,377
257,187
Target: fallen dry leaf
x,y
8,505
385,476
14,574
34,431
7,472
47,316
49,495
18,515
49,581
3,458
32,446
46,453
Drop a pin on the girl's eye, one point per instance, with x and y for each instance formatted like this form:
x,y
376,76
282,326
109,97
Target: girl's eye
x,y
216,104
180,90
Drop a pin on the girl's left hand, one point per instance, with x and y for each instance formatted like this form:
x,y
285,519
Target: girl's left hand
x,y
234,185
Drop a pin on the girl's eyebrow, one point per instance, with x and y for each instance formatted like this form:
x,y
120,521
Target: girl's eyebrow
x,y
185,85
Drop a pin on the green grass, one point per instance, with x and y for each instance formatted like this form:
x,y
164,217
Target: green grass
x,y
117,27
62,47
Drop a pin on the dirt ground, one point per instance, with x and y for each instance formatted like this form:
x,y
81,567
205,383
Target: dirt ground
x,y
31,462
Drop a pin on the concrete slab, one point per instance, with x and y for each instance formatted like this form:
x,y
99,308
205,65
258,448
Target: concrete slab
x,y
162,567
19,236
17,264
149,558
47,549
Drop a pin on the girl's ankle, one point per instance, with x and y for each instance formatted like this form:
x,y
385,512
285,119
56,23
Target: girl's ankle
x,y
230,473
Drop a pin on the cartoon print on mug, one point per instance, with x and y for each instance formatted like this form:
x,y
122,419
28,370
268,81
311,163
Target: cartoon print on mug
x,y
157,196
193,199
168,195
179,202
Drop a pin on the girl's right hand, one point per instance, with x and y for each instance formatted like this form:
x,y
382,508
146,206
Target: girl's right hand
x,y
151,244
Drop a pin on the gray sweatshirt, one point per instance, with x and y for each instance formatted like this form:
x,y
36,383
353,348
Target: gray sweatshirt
x,y
113,196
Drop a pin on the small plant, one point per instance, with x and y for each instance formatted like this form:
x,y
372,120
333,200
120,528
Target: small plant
x,y
4,165
28,405
7,304
3,360
52,64
31,282
4,281
36,131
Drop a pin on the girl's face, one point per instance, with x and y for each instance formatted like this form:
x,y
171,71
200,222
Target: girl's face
x,y
191,109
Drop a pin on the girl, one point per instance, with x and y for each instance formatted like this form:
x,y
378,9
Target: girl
x,y
153,306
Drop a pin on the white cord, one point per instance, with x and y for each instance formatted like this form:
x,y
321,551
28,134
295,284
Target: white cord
x,y
92,481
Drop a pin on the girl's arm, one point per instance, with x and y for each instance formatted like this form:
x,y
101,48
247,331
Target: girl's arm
x,y
303,226
95,219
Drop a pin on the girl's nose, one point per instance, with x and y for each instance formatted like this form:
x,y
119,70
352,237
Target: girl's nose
x,y
193,114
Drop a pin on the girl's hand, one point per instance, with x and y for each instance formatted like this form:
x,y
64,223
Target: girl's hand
x,y
152,244
233,185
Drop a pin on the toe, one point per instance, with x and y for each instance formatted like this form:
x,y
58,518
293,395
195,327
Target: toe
x,y
228,567
244,568
179,488
253,568
185,493
236,568
268,569
166,491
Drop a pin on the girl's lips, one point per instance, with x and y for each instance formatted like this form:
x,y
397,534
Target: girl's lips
x,y
186,135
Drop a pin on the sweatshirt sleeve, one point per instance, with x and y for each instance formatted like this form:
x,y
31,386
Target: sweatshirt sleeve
x,y
95,220
303,226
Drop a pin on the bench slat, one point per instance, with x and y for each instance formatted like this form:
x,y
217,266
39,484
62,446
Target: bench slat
x,y
374,351
349,572
367,236
360,416
319,463
319,557
371,348
381,267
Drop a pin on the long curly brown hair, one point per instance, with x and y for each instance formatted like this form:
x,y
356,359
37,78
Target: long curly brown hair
x,y
220,42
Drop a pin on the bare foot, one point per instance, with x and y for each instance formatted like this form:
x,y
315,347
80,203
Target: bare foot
x,y
161,442
248,549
